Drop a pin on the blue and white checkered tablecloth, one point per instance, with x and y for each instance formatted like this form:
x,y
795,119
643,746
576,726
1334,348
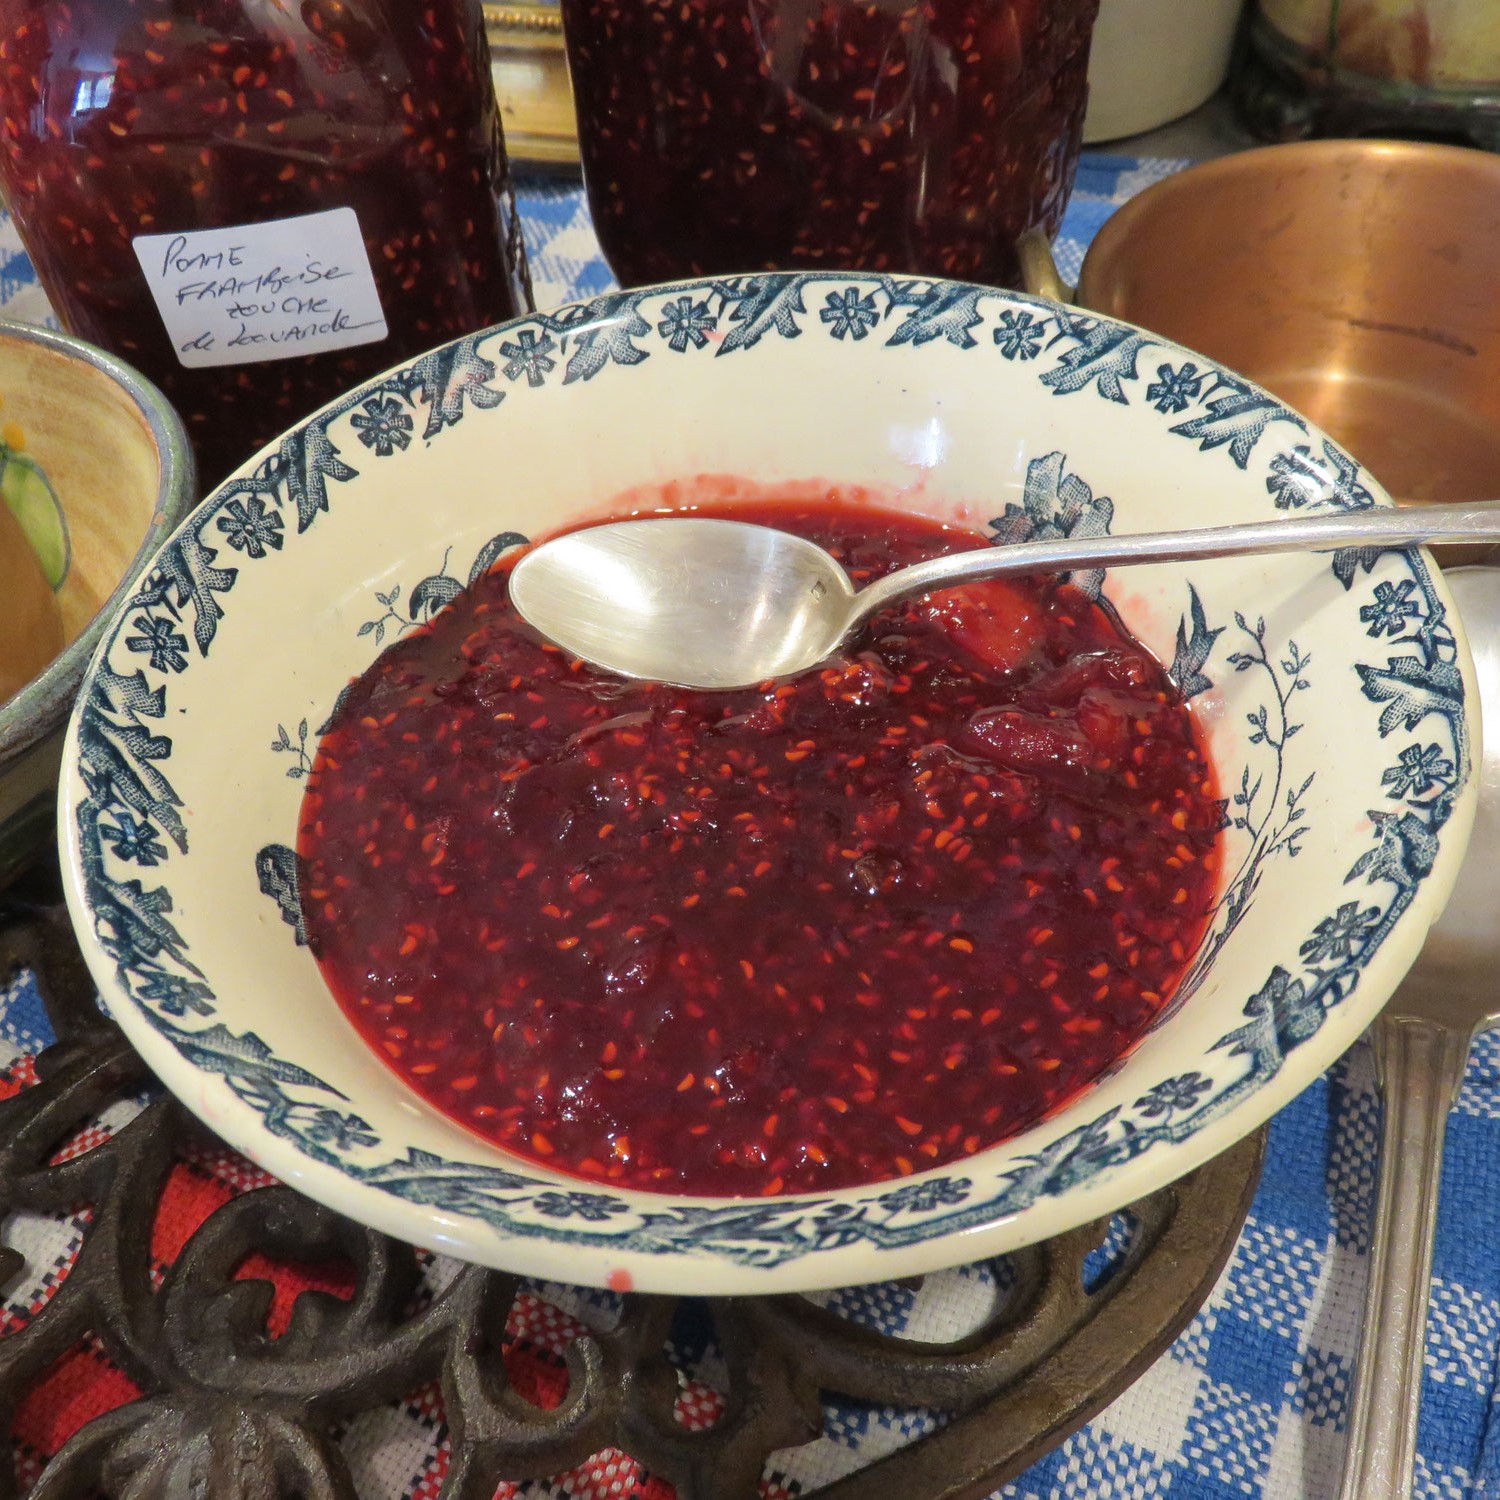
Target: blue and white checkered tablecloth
x,y
1251,1400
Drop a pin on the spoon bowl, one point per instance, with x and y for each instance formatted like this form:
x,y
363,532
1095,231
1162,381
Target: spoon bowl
x,y
718,605
696,602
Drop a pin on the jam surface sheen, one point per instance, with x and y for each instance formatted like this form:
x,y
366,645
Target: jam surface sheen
x,y
825,932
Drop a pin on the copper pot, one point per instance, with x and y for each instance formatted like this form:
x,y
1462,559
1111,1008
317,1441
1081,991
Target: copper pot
x,y
1357,280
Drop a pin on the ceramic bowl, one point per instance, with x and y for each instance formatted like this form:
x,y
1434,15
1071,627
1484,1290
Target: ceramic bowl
x,y
1335,691
121,476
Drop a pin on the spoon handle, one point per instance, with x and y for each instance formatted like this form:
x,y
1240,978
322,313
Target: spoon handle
x,y
1419,1065
1380,526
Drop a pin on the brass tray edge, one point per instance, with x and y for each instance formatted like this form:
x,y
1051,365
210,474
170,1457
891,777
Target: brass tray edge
x,y
503,20
531,82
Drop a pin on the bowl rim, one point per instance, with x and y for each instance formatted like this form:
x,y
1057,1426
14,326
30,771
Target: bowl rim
x,y
36,711
470,1238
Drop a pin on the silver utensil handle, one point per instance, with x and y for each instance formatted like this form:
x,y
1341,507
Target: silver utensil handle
x,y
1420,1066
1377,526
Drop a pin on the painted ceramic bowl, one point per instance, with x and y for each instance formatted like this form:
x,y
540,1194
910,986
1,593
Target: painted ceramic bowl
x,y
95,468
1335,692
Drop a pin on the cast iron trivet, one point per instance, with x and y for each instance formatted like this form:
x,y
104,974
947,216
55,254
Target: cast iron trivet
x,y
231,1413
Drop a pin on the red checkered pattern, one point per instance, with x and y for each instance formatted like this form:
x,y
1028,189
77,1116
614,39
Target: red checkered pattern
x,y
612,1475
20,1074
698,1405
533,1321
227,1166
28,1467
95,1132
91,1135
430,1484
428,1404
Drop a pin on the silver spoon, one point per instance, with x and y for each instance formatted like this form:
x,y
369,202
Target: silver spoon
x,y
1421,1046
722,604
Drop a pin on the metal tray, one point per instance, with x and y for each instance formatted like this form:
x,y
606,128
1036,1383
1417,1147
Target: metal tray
x,y
531,81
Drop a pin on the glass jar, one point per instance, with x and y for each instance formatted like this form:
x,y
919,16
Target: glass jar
x,y
1451,46
259,203
888,135
1383,67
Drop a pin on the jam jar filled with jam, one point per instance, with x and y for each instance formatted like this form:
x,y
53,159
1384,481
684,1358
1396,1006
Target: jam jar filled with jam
x,y
918,136
259,203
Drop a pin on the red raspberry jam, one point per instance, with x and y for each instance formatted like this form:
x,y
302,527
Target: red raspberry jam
x,y
900,135
836,929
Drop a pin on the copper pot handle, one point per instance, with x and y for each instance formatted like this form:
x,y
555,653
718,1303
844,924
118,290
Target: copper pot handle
x,y
1039,273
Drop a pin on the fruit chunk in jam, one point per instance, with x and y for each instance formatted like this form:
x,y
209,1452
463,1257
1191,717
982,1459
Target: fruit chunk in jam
x,y
833,930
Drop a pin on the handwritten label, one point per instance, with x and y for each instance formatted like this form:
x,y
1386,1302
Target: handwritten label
x,y
264,291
